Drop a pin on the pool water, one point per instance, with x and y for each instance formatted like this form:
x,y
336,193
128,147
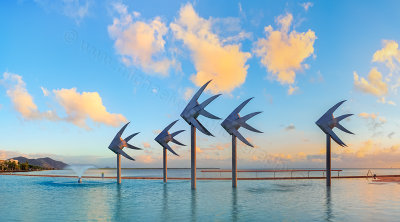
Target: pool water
x,y
63,199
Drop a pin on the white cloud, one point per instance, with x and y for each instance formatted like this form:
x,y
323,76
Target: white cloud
x,y
306,5
224,63
283,51
140,43
75,9
136,14
188,93
156,132
45,91
237,38
374,120
292,89
384,101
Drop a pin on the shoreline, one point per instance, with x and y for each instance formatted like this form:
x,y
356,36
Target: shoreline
x,y
380,178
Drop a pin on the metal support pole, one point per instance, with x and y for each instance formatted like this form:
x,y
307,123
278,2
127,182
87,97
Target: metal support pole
x,y
193,156
234,162
165,165
119,168
328,160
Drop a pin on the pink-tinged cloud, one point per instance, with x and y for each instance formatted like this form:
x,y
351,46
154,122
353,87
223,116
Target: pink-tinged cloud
x,y
224,63
378,83
374,85
146,145
146,159
86,105
389,54
369,154
140,43
21,99
283,51
79,107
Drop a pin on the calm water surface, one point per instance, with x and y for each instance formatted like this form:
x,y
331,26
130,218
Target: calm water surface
x,y
62,199
186,173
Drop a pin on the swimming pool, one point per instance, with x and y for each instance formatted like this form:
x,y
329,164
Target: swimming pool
x,y
63,199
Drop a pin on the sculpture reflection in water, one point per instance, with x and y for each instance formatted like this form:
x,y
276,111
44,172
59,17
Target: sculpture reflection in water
x,y
329,214
235,210
193,205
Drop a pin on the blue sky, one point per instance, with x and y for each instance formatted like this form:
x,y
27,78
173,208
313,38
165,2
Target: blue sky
x,y
296,58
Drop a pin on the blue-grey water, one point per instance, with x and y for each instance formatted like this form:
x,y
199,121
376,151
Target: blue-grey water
x,y
63,199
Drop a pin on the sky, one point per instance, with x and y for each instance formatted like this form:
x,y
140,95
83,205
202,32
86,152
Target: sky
x,y
73,72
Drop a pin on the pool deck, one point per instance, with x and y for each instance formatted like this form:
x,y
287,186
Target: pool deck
x,y
379,178
388,179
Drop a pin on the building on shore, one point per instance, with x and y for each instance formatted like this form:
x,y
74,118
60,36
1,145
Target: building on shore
x,y
13,161
2,164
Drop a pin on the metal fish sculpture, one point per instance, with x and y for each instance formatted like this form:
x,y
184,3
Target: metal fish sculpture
x,y
165,137
194,109
327,122
234,121
117,144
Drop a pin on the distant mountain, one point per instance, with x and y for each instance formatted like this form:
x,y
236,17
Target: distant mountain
x,y
46,162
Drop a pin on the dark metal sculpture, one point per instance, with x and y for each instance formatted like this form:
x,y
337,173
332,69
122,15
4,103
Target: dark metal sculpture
x,y
190,114
326,123
163,138
117,144
232,124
